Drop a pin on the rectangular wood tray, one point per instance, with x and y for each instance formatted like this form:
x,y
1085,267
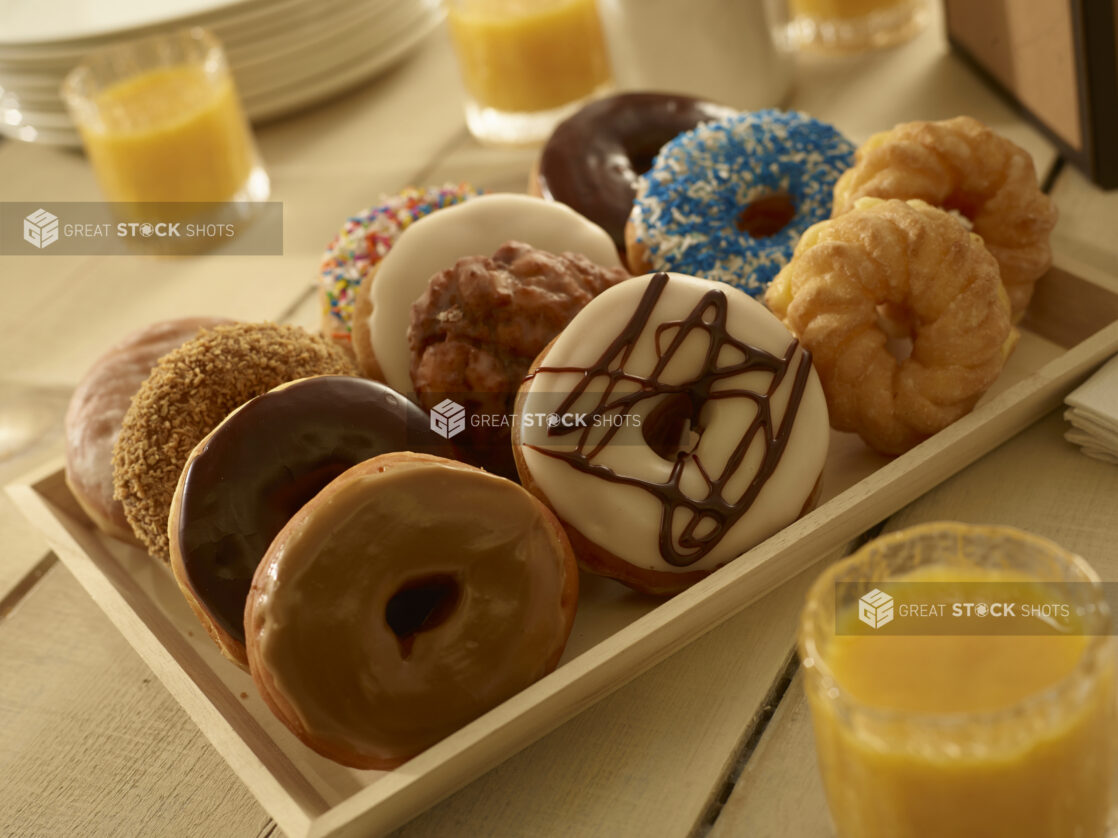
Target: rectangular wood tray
x,y
1070,329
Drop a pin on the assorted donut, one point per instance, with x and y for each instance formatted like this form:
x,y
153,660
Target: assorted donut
x,y
692,426
593,160
634,372
729,199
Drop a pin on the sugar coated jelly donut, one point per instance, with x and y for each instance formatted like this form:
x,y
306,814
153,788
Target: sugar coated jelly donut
x,y
593,158
683,424
729,199
256,469
97,410
410,596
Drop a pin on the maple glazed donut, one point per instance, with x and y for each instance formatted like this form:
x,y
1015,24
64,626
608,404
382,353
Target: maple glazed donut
x,y
410,596
887,267
960,164
592,160
703,429
474,228
728,200
97,408
256,469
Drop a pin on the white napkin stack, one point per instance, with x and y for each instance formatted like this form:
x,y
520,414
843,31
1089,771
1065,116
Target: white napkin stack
x,y
1093,414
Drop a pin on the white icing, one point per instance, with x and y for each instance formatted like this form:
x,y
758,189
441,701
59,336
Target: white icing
x,y
625,520
474,228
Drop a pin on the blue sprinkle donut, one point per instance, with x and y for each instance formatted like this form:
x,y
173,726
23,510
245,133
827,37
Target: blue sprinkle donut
x,y
729,199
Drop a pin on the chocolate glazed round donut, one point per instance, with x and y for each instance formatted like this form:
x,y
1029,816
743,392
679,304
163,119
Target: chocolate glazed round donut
x,y
592,160
244,481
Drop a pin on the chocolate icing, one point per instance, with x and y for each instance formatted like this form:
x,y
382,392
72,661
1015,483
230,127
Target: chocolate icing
x,y
592,159
710,517
268,459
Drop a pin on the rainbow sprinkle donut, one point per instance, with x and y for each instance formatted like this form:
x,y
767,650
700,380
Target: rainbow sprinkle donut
x,y
365,239
729,199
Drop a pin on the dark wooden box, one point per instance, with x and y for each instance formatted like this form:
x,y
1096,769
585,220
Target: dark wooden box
x,y
1056,59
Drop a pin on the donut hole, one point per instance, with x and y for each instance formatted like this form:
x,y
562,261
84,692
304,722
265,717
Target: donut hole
x,y
641,158
668,429
768,215
966,204
897,327
421,605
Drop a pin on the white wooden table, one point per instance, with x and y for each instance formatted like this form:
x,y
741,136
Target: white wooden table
x,y
715,740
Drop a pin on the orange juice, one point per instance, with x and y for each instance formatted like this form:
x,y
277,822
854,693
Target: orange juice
x,y
529,55
966,735
169,134
840,9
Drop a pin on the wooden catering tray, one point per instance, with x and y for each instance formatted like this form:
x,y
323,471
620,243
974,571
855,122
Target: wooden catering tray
x,y
1070,329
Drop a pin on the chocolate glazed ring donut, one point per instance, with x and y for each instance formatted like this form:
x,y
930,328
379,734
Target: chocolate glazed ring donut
x,y
593,158
245,480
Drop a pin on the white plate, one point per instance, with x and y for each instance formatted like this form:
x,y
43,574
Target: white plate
x,y
364,36
30,23
337,75
336,81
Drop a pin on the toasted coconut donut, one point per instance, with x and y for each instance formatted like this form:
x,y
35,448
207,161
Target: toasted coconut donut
x,y
960,164
935,279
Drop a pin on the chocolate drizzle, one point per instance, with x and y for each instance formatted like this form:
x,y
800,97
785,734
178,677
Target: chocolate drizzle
x,y
712,516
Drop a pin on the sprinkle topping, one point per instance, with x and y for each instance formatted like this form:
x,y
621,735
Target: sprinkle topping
x,y
365,239
690,203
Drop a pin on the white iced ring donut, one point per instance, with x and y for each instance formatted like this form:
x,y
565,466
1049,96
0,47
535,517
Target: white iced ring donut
x,y
683,424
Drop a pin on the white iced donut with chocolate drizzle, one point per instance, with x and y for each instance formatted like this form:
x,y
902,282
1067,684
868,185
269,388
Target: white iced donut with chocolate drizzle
x,y
673,425
434,243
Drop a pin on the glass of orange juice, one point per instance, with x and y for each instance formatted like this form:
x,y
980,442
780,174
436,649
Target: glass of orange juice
x,y
847,25
526,64
161,122
961,683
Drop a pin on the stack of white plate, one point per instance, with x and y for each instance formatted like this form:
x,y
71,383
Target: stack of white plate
x,y
284,54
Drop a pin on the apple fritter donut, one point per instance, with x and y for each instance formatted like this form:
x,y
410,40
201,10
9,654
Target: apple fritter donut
x,y
960,164
934,280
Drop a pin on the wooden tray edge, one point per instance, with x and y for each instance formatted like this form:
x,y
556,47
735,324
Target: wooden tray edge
x,y
584,680
186,676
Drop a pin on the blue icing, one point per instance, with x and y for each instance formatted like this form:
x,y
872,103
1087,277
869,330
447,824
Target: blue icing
x,y
702,180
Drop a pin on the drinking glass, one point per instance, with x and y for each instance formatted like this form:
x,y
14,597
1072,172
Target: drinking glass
x,y
161,122
526,64
981,728
847,25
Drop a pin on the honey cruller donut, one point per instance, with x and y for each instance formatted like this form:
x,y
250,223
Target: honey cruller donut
x,y
407,598
934,278
960,164
674,424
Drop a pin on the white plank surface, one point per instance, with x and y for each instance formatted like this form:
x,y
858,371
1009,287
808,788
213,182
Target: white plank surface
x,y
1062,495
